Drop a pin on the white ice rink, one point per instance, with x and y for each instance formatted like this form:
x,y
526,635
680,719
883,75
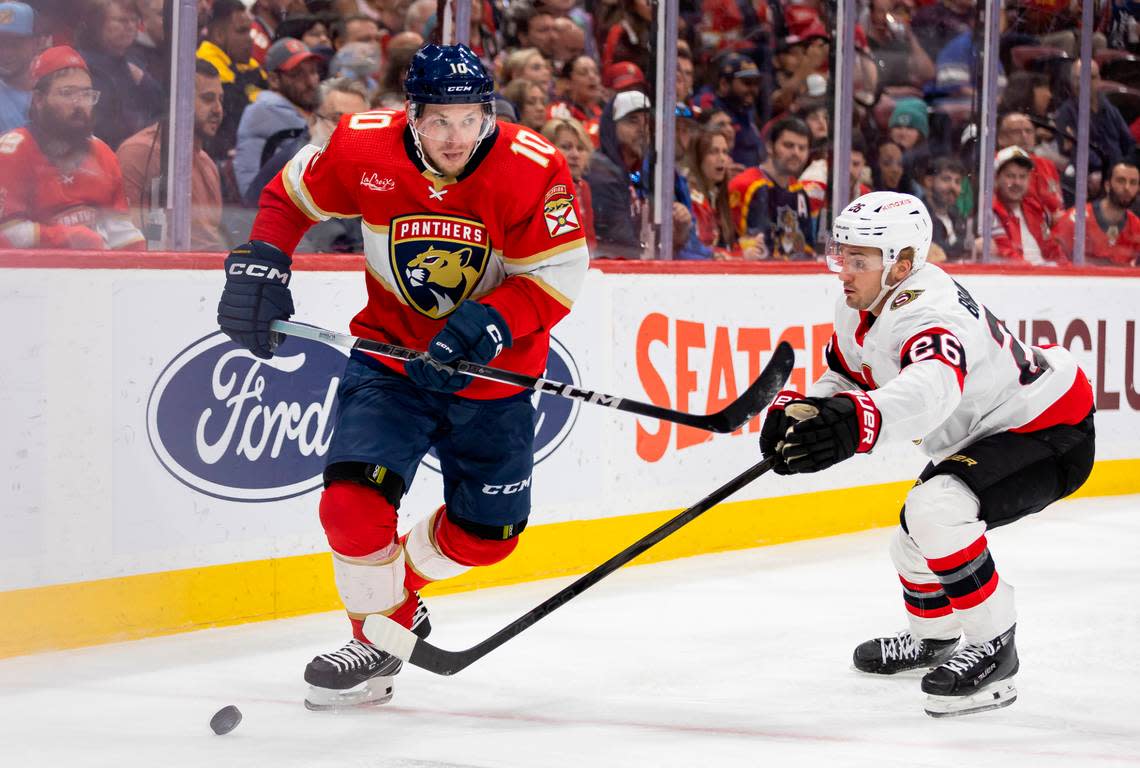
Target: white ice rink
x,y
739,659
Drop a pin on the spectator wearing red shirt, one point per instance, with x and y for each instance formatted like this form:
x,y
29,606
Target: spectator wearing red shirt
x,y
1021,227
707,163
1112,231
267,14
60,187
1015,129
583,101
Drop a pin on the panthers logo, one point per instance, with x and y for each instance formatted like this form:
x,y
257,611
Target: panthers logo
x,y
437,260
789,240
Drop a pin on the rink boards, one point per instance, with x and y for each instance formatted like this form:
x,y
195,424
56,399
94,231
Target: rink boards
x,y
158,480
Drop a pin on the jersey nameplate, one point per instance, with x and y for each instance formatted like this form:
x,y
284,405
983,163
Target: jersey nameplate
x,y
437,260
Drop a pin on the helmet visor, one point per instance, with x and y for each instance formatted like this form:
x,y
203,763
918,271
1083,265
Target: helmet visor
x,y
459,126
853,260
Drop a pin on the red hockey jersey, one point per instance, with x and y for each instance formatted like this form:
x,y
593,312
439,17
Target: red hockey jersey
x,y
506,232
43,205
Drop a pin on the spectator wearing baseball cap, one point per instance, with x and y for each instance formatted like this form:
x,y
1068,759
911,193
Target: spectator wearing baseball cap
x,y
131,99
801,53
281,112
615,175
60,186
1021,231
738,87
623,76
18,46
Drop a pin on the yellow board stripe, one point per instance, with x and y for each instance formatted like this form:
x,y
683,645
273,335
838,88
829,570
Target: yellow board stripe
x,y
132,607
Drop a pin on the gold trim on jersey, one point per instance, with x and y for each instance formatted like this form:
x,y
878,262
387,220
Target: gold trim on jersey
x,y
303,204
293,179
380,229
553,292
547,254
439,182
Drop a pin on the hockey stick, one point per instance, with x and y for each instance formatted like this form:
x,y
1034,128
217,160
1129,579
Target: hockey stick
x,y
729,419
402,643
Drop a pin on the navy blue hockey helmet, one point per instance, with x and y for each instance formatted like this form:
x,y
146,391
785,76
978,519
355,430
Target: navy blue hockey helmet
x,y
448,74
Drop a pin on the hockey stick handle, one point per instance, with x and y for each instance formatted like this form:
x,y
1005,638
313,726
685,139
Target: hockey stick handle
x,y
727,420
400,642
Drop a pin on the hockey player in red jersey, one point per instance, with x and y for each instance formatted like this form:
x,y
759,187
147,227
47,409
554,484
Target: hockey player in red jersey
x,y
473,251
60,187
1008,429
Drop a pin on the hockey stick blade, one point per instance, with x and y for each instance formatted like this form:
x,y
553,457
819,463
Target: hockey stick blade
x,y
729,419
402,643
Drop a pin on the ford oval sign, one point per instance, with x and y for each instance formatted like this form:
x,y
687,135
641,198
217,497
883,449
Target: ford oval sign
x,y
237,427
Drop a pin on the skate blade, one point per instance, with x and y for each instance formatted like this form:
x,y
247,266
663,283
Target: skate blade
x,y
370,693
993,696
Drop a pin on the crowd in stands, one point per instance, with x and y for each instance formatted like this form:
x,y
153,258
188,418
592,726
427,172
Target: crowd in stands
x,y
85,100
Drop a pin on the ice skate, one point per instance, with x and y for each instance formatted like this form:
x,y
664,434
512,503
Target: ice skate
x,y
977,678
901,652
359,674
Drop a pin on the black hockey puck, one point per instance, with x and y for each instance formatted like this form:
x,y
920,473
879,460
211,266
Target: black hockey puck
x,y
225,720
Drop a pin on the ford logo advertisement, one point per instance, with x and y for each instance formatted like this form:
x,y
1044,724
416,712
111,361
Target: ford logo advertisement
x,y
236,427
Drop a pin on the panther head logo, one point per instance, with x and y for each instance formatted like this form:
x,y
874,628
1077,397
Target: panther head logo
x,y
437,260
446,274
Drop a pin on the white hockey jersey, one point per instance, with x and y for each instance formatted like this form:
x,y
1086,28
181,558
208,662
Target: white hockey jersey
x,y
943,371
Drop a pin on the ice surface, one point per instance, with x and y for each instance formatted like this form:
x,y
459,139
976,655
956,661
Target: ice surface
x,y
737,659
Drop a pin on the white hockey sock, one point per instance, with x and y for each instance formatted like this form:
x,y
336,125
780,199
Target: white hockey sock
x,y
424,555
927,608
373,583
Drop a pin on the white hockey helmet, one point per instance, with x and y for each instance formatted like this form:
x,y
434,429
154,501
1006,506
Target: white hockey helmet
x,y
889,221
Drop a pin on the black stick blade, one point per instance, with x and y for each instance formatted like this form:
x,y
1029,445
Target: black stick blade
x,y
759,394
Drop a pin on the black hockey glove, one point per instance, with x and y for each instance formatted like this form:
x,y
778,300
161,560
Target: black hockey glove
x,y
475,332
831,430
776,424
256,293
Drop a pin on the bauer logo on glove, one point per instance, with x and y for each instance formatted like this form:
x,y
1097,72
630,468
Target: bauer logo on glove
x,y
829,430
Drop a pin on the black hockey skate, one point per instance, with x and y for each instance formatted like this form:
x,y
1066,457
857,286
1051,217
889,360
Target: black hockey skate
x,y
902,652
359,673
977,678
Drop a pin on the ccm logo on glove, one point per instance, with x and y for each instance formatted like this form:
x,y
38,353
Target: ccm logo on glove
x,y
496,336
260,271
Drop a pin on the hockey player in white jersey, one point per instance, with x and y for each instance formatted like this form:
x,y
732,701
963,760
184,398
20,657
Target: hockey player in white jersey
x,y
1008,429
